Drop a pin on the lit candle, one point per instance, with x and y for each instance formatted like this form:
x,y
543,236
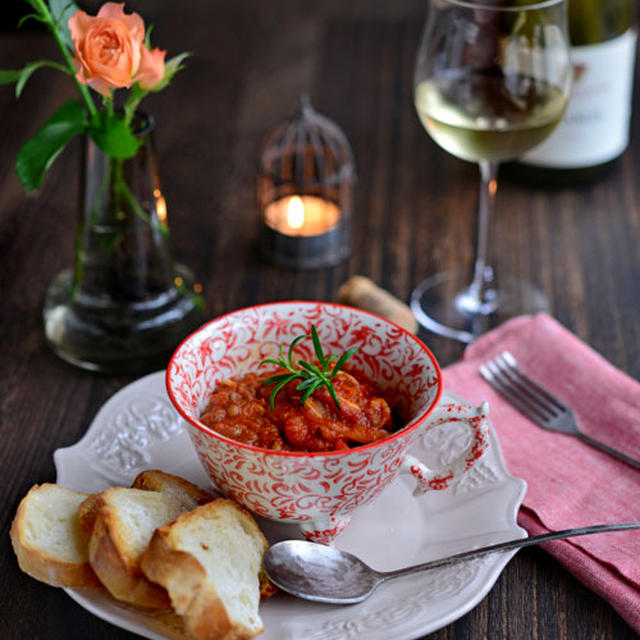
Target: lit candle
x,y
302,216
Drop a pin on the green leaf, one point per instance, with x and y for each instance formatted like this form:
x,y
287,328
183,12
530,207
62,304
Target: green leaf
x,y
327,362
310,390
292,347
114,137
343,359
61,11
305,384
147,37
21,76
332,391
30,16
316,344
10,76
171,67
279,378
312,368
37,155
271,361
27,72
276,389
30,68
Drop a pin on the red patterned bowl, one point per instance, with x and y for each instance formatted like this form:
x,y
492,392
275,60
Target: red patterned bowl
x,y
317,490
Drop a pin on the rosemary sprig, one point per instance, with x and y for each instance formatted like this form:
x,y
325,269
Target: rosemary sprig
x,y
311,376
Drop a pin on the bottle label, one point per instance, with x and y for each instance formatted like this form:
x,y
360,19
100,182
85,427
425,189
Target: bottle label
x,y
595,127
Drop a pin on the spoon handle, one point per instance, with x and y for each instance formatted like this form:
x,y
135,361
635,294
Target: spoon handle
x,y
507,546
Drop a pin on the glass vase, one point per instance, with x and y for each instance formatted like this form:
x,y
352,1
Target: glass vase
x,y
124,305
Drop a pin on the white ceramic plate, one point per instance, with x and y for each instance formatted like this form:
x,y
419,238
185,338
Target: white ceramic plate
x,y
138,429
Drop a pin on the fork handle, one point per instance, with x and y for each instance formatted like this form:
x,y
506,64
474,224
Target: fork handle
x,y
610,450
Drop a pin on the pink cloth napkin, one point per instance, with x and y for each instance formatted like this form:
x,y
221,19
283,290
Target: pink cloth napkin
x,y
570,483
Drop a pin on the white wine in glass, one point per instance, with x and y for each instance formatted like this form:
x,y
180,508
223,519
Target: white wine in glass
x,y
492,81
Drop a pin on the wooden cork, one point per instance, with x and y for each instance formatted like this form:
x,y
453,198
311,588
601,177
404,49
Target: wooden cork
x,y
363,293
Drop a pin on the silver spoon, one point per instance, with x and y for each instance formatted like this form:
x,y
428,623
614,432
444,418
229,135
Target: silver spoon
x,y
325,574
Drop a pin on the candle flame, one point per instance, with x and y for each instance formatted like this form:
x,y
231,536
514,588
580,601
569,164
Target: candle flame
x,y
295,213
161,205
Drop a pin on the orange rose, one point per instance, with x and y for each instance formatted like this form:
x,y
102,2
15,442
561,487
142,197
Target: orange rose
x,y
110,48
151,69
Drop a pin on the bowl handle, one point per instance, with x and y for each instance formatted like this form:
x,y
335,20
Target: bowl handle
x,y
435,479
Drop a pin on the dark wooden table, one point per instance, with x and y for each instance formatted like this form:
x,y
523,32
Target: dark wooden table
x,y
414,215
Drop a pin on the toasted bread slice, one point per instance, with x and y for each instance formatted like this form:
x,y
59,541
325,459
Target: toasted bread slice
x,y
209,560
47,538
185,492
123,522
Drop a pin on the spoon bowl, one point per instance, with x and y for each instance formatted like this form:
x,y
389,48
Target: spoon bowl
x,y
318,572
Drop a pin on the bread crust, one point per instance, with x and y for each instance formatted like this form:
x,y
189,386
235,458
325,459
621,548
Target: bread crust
x,y
120,574
38,564
192,595
88,511
156,480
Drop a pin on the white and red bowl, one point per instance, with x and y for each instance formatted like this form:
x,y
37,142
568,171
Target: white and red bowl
x,y
317,490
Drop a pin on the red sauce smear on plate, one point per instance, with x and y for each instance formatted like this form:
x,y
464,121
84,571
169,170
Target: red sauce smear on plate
x,y
239,409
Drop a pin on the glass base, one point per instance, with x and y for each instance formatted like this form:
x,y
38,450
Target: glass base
x,y
442,304
119,337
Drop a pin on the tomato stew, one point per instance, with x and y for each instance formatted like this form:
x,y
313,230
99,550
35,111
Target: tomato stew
x,y
239,409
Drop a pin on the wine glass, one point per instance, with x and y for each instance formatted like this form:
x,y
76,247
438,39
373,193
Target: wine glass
x,y
492,79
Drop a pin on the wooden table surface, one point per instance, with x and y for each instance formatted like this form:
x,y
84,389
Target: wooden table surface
x,y
414,215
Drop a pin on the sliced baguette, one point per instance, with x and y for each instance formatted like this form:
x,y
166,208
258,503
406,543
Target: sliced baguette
x,y
47,538
123,521
186,493
209,561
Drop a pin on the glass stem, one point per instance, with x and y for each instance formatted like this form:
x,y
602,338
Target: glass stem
x,y
482,272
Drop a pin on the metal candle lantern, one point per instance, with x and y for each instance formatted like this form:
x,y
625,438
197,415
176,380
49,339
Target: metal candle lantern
x,y
305,192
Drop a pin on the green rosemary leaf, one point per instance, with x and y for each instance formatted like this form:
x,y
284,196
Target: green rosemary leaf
x,y
279,378
271,361
332,391
327,362
312,368
276,389
343,359
305,384
316,344
292,347
310,390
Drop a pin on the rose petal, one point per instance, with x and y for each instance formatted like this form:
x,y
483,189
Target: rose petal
x,y
151,69
133,22
100,86
78,24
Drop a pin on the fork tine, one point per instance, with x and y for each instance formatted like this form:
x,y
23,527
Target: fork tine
x,y
540,391
535,398
496,381
515,390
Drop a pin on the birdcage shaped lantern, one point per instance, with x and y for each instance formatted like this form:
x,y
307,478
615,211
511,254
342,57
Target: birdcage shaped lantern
x,y
305,185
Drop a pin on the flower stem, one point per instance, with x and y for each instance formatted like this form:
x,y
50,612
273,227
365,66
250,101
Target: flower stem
x,y
84,91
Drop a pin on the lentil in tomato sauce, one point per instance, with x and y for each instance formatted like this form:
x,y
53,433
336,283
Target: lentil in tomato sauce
x,y
239,409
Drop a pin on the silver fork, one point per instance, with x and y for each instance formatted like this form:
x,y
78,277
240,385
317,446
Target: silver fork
x,y
504,375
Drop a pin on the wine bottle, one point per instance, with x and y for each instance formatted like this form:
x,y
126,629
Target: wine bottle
x,y
595,129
